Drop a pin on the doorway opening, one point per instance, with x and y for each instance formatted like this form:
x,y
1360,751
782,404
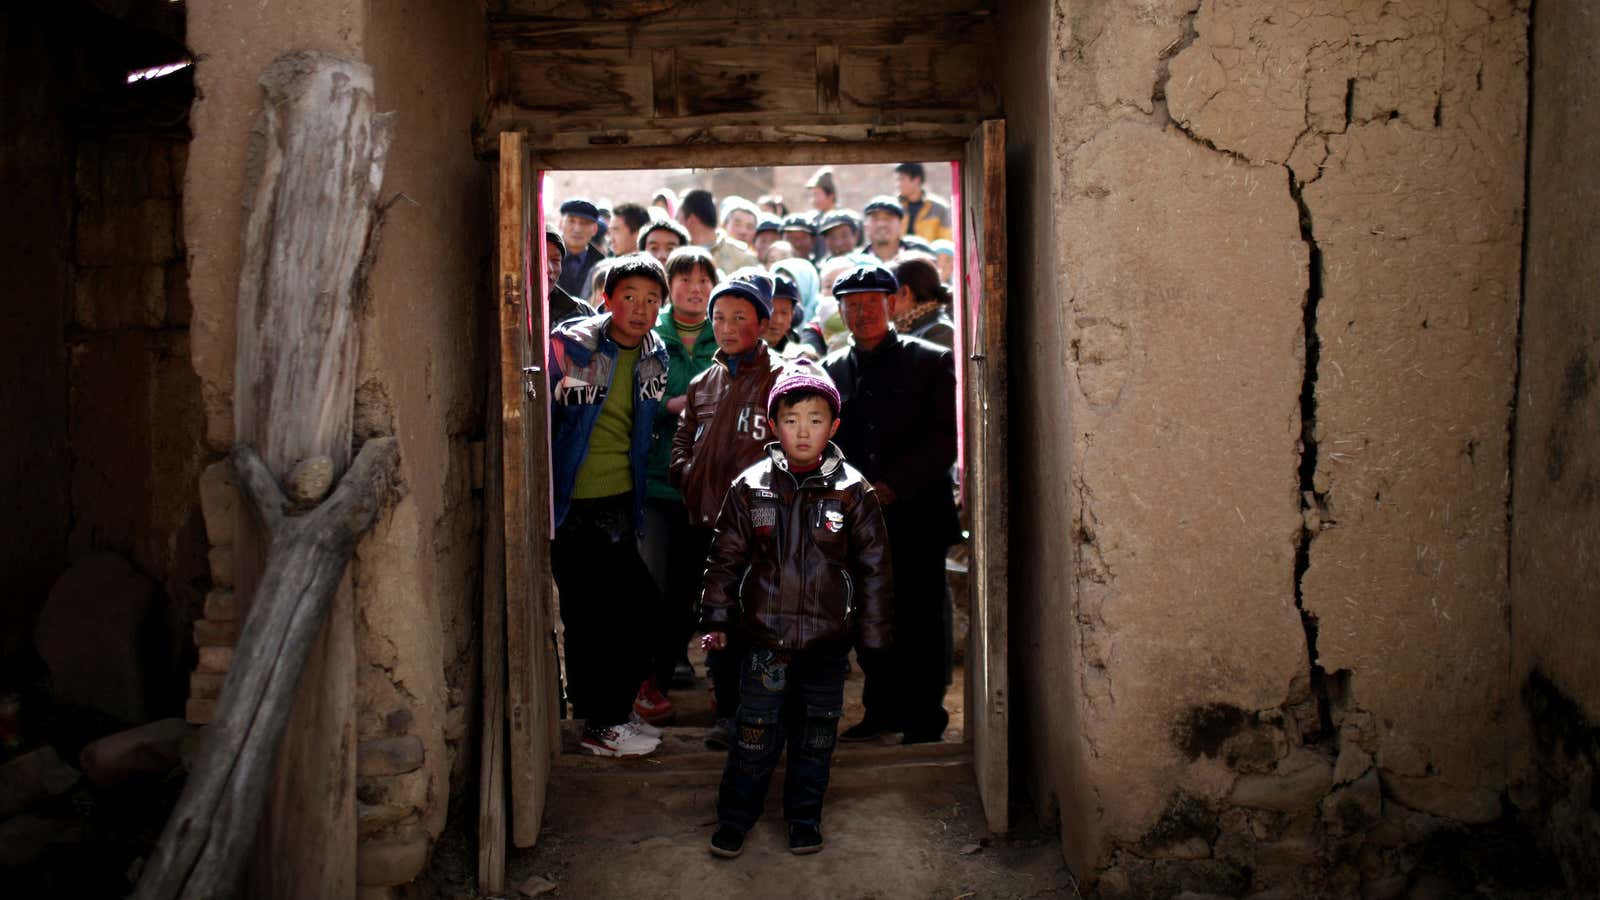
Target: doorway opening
x,y
541,744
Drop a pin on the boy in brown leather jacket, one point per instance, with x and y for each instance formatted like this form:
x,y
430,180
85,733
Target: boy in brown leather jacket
x,y
800,567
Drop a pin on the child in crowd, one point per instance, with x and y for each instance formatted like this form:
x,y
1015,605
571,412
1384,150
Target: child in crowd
x,y
800,569
671,548
722,430
607,376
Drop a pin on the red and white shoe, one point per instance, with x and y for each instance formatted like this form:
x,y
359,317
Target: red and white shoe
x,y
619,740
653,706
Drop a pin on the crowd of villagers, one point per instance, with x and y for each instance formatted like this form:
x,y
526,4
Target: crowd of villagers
x,y
753,436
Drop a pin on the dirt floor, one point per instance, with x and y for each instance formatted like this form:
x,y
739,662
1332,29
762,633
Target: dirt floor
x,y
901,822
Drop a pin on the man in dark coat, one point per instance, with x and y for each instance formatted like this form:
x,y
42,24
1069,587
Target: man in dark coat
x,y
562,305
580,222
899,429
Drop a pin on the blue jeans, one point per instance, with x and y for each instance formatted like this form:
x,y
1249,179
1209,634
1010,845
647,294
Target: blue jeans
x,y
796,696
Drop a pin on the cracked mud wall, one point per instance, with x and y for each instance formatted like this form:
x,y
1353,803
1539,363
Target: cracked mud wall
x,y
1288,545
420,373
1555,548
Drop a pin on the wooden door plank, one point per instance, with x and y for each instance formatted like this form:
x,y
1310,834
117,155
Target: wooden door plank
x,y
984,341
492,773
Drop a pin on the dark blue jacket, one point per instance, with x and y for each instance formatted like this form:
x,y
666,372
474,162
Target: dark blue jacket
x,y
583,360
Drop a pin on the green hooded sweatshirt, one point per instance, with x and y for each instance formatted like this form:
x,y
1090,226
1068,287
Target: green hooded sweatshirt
x,y
682,366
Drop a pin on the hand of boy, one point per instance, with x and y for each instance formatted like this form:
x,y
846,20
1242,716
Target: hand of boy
x,y
716,640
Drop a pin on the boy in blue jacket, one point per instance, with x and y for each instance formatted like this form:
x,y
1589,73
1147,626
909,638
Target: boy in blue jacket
x,y
607,376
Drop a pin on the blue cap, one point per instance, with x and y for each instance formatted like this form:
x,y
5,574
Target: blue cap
x,y
833,218
944,247
883,203
784,285
751,283
800,222
866,280
582,208
768,223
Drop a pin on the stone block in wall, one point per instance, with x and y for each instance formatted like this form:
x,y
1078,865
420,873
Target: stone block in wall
x,y
221,606
93,634
389,756
208,633
199,712
214,659
219,498
219,561
389,862
205,685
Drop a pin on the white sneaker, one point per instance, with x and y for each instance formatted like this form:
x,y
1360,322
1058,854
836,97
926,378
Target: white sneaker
x,y
643,727
622,740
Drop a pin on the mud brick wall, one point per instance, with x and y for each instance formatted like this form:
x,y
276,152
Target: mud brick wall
x,y
1286,310
421,377
1555,560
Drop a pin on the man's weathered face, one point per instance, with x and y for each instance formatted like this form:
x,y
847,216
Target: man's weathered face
x,y
763,240
577,232
839,240
802,241
741,226
623,240
910,187
884,227
866,315
781,321
660,244
552,266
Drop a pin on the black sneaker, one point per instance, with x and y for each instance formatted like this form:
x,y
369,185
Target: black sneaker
x,y
803,839
728,842
865,730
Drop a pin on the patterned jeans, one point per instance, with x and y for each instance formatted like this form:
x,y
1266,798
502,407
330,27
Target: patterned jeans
x,y
797,696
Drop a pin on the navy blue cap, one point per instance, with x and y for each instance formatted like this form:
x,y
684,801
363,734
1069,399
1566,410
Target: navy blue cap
x,y
751,283
768,223
836,217
784,285
866,280
800,222
578,206
883,203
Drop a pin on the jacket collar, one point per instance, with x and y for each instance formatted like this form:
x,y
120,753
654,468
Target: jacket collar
x,y
583,337
752,362
832,463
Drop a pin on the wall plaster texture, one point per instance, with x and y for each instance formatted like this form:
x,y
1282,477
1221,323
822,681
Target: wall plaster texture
x,y
416,574
1221,168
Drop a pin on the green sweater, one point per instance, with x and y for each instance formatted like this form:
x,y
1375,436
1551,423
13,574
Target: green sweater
x,y
682,366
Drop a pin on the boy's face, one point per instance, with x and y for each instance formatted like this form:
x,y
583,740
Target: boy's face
x,y
690,291
804,429
802,241
782,318
867,316
764,239
840,239
741,226
634,304
623,240
660,244
736,325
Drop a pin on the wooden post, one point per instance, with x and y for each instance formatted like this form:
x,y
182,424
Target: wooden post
x,y
316,166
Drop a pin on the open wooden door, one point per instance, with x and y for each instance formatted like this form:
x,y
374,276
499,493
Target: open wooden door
x,y
524,491
983,351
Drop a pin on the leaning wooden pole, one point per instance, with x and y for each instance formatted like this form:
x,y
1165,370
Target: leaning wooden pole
x,y
316,165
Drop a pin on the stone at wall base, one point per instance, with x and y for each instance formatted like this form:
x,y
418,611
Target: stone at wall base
x,y
390,862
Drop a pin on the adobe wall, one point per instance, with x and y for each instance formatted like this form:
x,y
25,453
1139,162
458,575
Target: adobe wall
x,y
1289,249
415,574
1555,548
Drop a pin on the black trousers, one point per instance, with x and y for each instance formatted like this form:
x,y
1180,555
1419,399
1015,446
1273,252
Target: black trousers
x,y
679,609
606,595
905,685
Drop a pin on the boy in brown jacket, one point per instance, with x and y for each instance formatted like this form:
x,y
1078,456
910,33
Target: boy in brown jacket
x,y
800,568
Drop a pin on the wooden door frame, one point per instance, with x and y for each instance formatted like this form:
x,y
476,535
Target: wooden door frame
x,y
536,161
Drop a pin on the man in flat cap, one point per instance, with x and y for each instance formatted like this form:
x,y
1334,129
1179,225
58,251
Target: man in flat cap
x,y
580,222
885,226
